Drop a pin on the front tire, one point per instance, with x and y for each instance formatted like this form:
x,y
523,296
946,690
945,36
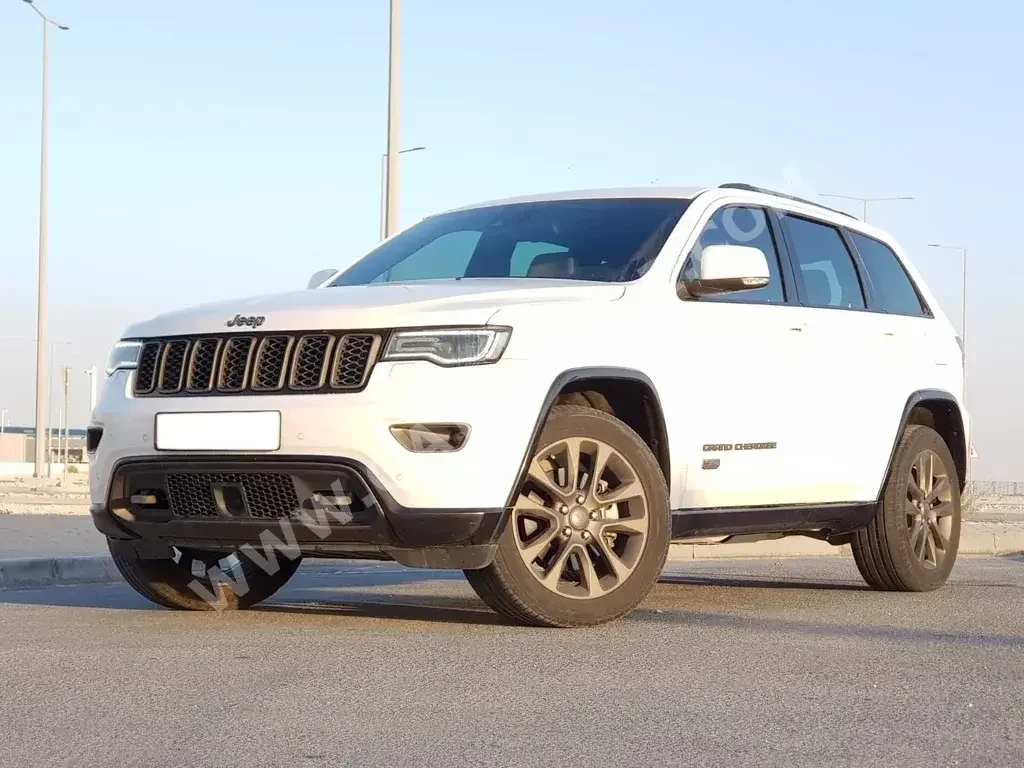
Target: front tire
x,y
911,543
183,581
589,532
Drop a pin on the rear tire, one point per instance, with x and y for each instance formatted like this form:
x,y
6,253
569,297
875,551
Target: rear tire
x,y
911,543
589,532
183,582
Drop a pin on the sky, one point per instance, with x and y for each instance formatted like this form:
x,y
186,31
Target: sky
x,y
203,151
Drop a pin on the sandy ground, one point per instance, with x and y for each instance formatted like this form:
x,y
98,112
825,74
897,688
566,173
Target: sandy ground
x,y
995,508
29,495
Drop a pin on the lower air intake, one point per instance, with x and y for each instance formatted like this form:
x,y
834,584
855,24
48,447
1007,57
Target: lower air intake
x,y
264,495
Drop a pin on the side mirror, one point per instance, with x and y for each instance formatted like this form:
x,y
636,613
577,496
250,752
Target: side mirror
x,y
727,269
321,277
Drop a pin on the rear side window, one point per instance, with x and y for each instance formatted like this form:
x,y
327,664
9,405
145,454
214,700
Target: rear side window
x,y
739,225
826,266
891,288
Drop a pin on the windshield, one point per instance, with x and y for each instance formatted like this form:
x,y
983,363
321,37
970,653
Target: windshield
x,y
608,240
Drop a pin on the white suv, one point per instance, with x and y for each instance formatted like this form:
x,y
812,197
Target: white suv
x,y
544,392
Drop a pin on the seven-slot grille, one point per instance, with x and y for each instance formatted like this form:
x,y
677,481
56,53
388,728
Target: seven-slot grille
x,y
255,364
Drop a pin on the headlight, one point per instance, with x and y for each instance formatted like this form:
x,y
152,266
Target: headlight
x,y
449,346
124,356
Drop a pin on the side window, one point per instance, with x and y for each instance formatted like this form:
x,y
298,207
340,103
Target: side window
x,y
891,289
447,256
829,276
738,225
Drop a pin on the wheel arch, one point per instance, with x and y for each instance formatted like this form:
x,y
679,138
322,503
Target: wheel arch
x,y
939,410
626,393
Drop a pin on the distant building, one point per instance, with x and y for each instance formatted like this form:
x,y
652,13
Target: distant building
x,y
18,445
14,447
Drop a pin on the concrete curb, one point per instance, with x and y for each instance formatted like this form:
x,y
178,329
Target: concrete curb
x,y
26,572
975,539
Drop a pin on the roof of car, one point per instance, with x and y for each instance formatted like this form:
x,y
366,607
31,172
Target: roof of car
x,y
653,192
682,193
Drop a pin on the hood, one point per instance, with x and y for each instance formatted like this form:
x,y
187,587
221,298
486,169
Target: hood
x,y
470,301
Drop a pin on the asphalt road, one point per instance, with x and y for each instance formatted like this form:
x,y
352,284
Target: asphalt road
x,y
728,663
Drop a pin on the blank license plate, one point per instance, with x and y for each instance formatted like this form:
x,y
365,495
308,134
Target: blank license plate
x,y
235,431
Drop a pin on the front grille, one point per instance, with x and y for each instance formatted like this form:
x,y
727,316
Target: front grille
x,y
145,373
257,364
310,367
269,371
202,365
234,365
172,366
350,365
266,494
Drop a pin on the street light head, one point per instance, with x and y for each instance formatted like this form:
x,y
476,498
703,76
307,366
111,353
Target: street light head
x,y
404,151
29,2
61,26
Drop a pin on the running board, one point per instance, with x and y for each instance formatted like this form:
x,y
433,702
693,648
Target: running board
x,y
823,521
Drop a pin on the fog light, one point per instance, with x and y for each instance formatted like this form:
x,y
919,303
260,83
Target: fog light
x,y
124,513
431,438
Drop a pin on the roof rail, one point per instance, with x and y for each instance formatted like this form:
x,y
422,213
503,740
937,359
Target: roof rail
x,y
794,198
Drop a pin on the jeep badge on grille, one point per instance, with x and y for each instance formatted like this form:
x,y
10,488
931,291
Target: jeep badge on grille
x,y
237,321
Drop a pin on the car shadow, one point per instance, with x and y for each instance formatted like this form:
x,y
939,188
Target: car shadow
x,y
389,593
759,583
342,590
434,609
310,580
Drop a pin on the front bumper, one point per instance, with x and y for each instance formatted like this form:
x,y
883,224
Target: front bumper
x,y
500,402
371,524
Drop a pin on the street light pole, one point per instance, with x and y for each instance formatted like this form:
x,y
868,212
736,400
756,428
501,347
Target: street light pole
x,y
391,177
41,378
51,357
383,189
65,371
865,201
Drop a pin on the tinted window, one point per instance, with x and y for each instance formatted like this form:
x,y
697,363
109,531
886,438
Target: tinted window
x,y
829,276
739,226
891,289
610,240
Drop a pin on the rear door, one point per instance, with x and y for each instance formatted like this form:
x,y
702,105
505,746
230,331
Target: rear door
x,y
842,382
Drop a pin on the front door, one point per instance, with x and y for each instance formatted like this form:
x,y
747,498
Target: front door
x,y
740,409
